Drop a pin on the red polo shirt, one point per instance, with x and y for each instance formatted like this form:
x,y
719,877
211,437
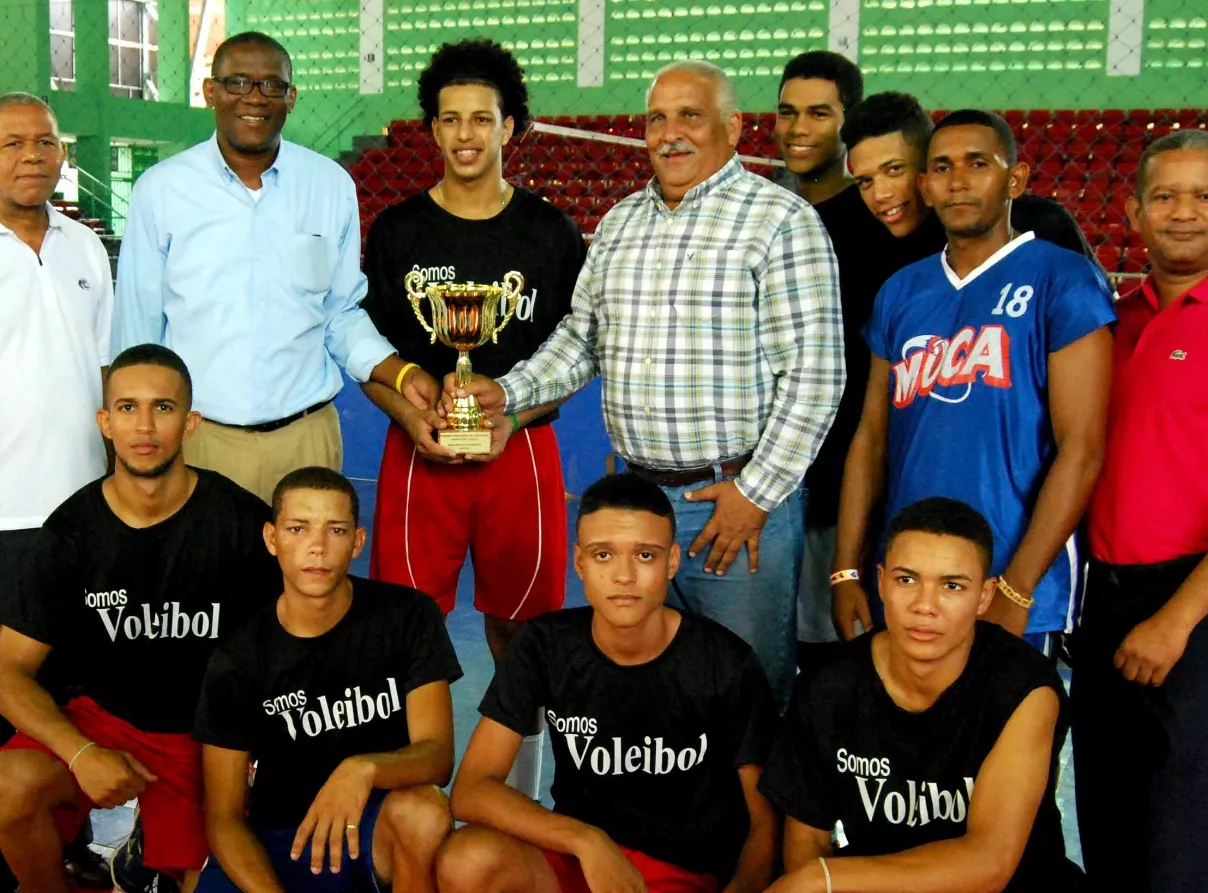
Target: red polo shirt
x,y
1151,502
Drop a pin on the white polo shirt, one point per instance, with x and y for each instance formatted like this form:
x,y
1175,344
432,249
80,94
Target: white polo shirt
x,y
55,316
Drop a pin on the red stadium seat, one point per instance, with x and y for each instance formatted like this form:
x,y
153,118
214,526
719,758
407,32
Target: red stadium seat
x,y
1014,117
1037,119
1190,118
1115,221
1109,256
1049,168
1068,192
1042,187
1057,134
1126,170
1129,153
1099,170
1134,262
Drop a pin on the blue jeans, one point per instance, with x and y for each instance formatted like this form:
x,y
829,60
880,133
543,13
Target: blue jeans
x,y
760,607
356,875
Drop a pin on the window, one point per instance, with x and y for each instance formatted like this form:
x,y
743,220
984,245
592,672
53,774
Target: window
x,y
62,45
133,48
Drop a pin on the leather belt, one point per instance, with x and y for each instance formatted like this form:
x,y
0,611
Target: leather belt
x,y
686,476
266,427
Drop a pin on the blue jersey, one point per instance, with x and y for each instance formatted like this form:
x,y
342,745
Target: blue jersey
x,y
968,389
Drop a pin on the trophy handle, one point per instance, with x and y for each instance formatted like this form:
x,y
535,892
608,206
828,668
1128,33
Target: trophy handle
x,y
513,284
414,283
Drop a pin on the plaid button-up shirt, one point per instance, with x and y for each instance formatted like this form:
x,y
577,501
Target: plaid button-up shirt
x,y
716,328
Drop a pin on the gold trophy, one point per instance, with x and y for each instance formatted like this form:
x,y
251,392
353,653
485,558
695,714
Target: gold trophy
x,y
464,316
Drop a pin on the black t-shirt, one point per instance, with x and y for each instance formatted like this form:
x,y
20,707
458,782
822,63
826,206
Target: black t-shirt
x,y
847,753
530,236
860,242
302,706
133,614
648,753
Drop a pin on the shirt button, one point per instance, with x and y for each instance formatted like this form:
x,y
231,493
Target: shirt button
x,y
647,361
659,265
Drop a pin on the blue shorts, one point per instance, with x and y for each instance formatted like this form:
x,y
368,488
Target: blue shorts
x,y
356,875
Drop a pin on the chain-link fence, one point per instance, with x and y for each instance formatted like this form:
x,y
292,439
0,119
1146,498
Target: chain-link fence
x,y
1085,83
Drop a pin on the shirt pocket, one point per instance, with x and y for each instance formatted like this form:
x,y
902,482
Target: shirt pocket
x,y
721,291
307,263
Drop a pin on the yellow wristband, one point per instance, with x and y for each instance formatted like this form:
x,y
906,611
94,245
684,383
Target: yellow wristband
x,y
398,382
1008,591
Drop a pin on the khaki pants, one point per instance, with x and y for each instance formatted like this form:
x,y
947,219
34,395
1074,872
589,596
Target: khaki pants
x,y
257,461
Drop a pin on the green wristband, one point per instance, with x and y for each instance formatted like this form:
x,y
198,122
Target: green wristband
x,y
515,421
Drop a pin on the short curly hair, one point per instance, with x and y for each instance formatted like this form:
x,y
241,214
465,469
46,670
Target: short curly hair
x,y
475,61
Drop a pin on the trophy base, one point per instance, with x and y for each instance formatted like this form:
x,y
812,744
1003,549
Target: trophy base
x,y
465,442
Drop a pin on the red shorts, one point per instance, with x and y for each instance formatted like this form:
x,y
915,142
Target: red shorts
x,y
171,808
510,514
660,877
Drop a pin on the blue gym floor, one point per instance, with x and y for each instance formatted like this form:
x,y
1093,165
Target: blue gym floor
x,y
584,447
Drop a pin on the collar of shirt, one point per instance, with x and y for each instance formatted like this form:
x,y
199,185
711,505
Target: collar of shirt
x,y
55,220
1197,292
231,176
730,171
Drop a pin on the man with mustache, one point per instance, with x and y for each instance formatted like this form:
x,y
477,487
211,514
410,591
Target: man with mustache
x,y
709,305
242,254
133,582
1140,686
990,371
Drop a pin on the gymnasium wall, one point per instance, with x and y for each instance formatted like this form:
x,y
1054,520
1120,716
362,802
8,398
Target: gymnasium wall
x,y
356,61
597,56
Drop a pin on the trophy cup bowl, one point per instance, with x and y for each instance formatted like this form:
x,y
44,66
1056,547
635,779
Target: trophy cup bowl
x,y
465,315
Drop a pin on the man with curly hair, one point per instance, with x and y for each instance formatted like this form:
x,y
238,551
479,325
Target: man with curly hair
x,y
506,507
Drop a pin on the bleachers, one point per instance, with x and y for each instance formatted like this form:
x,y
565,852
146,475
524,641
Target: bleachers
x,y
1085,158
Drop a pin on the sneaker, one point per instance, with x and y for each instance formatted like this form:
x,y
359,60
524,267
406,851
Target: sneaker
x,y
127,871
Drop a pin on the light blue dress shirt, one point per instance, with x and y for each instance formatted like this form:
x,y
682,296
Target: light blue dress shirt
x,y
261,298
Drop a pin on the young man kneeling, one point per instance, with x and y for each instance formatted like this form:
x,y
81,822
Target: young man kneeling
x,y
924,757
340,694
659,723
